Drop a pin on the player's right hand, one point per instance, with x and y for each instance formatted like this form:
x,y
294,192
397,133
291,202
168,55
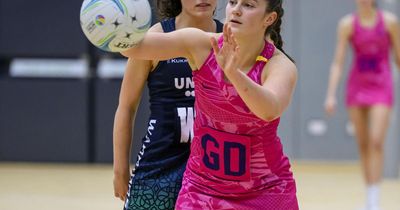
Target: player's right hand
x,y
121,183
330,106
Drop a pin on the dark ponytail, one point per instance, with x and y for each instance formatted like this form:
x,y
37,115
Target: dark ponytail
x,y
274,30
169,8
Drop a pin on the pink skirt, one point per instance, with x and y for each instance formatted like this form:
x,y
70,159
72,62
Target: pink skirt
x,y
191,197
367,89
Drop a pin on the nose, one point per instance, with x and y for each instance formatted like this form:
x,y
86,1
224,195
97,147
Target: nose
x,y
236,10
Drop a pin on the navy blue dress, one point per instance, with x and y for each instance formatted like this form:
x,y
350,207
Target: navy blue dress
x,y
157,177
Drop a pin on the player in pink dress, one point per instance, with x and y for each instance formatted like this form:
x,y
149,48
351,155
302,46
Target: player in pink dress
x,y
370,81
243,84
369,94
236,159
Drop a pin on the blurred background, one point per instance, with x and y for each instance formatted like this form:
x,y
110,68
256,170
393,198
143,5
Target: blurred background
x,y
58,96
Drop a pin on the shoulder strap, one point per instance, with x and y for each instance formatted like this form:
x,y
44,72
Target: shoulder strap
x,y
168,25
220,26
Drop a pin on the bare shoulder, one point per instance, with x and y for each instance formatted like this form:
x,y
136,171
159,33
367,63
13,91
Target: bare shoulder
x,y
346,22
389,18
280,64
345,26
156,28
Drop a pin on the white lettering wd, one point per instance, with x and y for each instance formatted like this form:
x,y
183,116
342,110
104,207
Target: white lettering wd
x,y
186,115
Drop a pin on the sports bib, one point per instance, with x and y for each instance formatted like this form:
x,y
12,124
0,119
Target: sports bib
x,y
225,155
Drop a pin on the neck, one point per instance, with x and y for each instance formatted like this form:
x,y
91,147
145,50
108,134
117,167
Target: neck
x,y
249,50
366,11
184,21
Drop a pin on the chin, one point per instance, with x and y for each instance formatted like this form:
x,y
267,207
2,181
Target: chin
x,y
236,31
204,14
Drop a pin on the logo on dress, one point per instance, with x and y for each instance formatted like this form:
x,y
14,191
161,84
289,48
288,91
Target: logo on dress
x,y
185,83
186,117
147,140
177,60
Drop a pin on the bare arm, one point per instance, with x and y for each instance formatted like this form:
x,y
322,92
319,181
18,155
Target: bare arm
x,y
132,86
344,31
269,100
135,77
392,25
187,42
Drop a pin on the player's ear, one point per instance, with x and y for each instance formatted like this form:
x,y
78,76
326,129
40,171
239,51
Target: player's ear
x,y
270,18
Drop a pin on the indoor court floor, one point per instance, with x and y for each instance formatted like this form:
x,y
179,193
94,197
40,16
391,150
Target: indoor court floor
x,y
321,186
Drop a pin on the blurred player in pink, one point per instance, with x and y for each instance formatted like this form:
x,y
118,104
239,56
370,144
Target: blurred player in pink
x,y
369,94
243,84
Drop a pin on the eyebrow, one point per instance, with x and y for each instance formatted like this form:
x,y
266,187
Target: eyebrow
x,y
256,1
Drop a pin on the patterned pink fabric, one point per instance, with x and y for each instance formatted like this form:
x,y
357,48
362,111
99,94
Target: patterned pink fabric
x,y
370,81
222,171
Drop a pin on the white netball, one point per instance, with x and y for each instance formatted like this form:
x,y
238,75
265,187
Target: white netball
x,y
115,25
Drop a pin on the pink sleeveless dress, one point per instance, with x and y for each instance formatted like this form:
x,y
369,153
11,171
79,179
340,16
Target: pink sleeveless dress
x,y
370,81
236,159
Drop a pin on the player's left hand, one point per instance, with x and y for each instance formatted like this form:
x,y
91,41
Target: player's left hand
x,y
228,55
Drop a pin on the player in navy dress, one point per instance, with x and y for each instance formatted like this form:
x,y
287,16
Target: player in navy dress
x,y
156,180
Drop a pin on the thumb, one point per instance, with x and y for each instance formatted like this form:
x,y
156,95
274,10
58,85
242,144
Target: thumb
x,y
214,45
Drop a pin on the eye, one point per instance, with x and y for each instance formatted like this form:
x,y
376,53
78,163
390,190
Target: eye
x,y
249,5
231,2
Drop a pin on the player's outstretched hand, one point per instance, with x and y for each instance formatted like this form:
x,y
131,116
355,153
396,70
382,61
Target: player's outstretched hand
x,y
228,55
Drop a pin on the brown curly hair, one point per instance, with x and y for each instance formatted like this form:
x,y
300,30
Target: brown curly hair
x,y
274,30
169,8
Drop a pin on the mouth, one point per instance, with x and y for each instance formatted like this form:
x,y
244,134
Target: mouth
x,y
202,5
235,21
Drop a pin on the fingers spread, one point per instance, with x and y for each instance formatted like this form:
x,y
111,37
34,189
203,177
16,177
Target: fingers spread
x,y
225,33
230,35
214,45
